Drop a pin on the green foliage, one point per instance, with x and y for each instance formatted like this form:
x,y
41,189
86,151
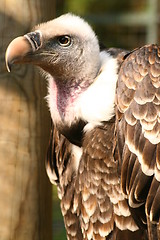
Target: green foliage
x,y
78,7
84,7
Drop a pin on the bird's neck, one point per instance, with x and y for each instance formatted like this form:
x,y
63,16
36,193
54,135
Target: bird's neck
x,y
90,100
72,87
62,98
67,93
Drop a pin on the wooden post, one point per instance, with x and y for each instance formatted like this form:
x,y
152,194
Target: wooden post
x,y
25,191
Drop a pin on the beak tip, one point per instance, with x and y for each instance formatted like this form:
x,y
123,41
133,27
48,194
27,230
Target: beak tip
x,y
16,51
8,63
8,66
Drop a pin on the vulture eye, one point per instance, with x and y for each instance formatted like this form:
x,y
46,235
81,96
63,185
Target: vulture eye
x,y
64,41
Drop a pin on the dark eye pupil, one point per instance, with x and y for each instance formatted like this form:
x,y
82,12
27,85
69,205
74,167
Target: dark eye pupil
x,y
64,40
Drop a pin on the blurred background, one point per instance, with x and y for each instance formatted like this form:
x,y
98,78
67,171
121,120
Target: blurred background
x,y
29,206
124,23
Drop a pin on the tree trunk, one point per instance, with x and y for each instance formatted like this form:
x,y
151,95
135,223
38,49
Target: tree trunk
x,y
25,191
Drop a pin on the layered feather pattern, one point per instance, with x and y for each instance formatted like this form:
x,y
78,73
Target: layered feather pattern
x,y
138,111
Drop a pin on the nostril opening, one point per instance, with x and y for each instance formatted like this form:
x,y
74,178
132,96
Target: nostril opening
x,y
35,39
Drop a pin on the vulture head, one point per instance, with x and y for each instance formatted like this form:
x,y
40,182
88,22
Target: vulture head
x,y
65,47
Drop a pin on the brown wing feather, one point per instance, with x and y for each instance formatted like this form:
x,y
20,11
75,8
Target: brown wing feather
x,y
59,164
93,184
102,207
138,127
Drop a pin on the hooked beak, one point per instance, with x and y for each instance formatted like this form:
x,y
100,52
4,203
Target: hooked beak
x,y
21,48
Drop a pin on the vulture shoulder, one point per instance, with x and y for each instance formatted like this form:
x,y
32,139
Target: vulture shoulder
x,y
138,131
